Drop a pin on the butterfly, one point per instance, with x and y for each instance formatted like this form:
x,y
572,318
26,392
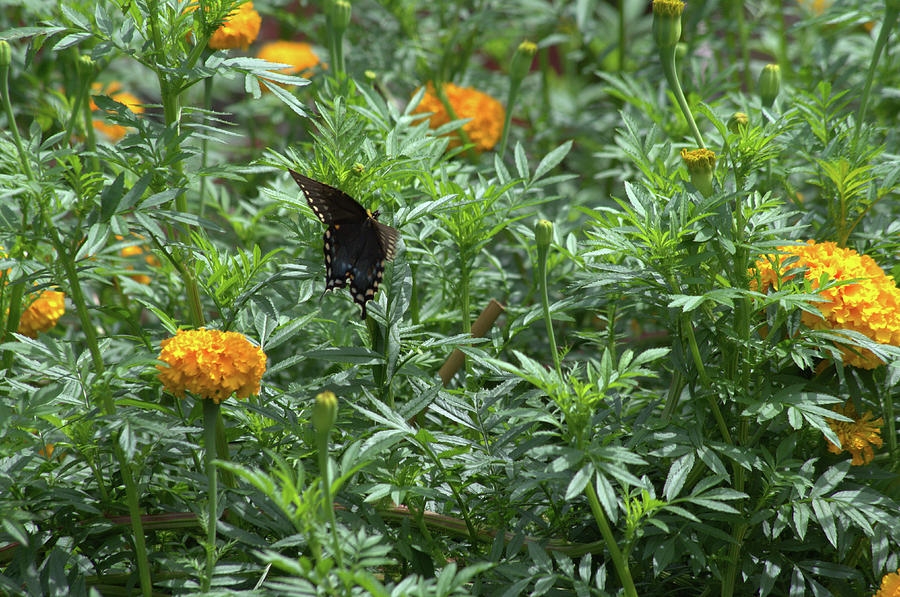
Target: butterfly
x,y
356,244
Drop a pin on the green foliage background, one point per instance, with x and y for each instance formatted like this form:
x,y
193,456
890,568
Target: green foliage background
x,y
682,435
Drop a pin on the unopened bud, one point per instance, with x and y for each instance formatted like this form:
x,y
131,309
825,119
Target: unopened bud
x,y
324,413
521,61
737,121
667,22
5,54
340,14
769,84
700,164
543,234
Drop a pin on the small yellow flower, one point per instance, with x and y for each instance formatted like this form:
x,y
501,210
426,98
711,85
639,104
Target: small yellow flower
x,y
114,132
667,22
856,437
239,31
486,113
890,585
211,364
296,53
870,306
42,314
136,250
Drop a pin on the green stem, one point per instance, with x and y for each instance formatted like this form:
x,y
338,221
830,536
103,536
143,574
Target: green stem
x,y
888,415
89,134
545,302
510,102
892,10
619,561
11,121
464,294
12,319
137,525
743,36
204,142
325,473
210,417
667,57
622,34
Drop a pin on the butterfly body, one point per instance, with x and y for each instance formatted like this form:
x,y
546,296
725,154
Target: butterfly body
x,y
355,243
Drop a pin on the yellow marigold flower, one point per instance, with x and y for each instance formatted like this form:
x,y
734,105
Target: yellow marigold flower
x,y
700,164
239,31
870,306
856,437
211,364
486,113
42,314
890,585
296,53
114,132
134,250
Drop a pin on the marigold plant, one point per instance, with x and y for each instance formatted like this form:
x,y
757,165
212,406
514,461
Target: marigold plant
x,y
296,53
42,314
890,585
858,436
211,364
870,306
114,132
486,113
239,31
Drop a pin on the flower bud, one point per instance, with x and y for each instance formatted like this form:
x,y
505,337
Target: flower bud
x,y
543,234
5,54
769,84
700,164
521,60
340,14
667,22
371,76
737,121
324,412
358,169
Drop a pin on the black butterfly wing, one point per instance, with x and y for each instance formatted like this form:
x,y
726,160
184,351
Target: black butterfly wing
x,y
330,205
356,244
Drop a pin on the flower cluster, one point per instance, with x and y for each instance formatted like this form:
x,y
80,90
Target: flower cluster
x,y
298,54
239,30
486,113
114,132
870,306
42,314
211,364
137,250
890,585
858,436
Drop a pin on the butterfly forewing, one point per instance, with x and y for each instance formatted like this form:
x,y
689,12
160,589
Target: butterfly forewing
x,y
356,245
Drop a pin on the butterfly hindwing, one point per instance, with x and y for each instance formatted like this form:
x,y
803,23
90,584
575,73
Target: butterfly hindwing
x,y
355,243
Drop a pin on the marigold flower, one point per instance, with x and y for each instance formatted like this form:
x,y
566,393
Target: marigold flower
x,y
890,585
42,314
114,132
870,306
239,30
856,437
211,364
296,53
324,412
769,84
486,113
667,22
134,250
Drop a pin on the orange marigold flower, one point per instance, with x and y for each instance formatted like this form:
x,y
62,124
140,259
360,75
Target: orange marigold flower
x,y
296,53
239,31
134,250
858,436
870,306
211,364
115,132
42,314
890,585
486,113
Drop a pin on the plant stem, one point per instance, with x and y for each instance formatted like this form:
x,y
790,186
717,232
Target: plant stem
x,y
545,303
891,11
622,34
667,57
743,37
325,473
619,561
11,121
210,417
